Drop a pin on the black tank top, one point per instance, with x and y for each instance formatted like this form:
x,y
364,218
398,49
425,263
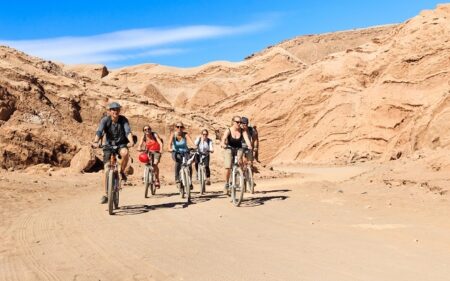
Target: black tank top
x,y
236,143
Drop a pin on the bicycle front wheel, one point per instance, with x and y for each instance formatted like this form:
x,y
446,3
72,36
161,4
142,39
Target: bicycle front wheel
x,y
152,182
110,189
237,190
250,185
187,187
146,180
117,184
183,182
202,178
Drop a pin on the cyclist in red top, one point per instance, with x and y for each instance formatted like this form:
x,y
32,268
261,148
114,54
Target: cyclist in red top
x,y
153,143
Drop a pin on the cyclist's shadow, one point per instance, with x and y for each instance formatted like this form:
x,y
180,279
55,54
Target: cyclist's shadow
x,y
141,209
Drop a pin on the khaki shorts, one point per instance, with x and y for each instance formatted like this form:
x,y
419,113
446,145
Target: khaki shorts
x,y
156,157
228,157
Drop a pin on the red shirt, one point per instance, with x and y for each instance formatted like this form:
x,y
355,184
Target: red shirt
x,y
151,143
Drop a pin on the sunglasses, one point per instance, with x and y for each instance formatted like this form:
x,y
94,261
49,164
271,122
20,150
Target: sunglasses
x,y
205,134
180,127
148,129
237,122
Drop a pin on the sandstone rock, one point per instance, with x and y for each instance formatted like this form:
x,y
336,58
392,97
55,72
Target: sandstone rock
x,y
84,160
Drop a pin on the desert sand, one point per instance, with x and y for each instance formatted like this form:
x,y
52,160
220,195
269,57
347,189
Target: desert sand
x,y
352,185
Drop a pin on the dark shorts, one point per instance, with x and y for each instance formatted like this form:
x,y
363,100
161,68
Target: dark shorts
x,y
107,153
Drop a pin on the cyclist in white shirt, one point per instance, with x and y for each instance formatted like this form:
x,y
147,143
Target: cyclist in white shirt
x,y
204,145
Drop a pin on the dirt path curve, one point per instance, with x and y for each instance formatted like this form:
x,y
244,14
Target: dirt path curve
x,y
291,229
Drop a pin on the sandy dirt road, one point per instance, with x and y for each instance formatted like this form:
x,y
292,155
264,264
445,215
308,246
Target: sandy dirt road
x,y
311,226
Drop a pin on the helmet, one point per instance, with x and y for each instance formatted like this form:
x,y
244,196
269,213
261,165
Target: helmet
x,y
244,120
143,157
114,105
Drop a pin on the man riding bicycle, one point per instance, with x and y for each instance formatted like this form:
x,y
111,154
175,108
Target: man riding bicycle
x,y
253,136
117,131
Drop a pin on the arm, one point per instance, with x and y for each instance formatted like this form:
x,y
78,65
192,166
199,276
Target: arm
x,y
247,139
158,139
170,142
223,143
100,130
211,147
141,144
189,139
127,128
197,141
255,141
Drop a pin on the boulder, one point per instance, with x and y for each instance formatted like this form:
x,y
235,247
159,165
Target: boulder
x,y
84,160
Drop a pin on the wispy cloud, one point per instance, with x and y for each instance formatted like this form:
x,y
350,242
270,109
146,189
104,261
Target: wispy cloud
x,y
124,44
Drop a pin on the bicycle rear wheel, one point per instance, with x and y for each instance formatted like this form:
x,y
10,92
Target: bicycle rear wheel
x,y
110,188
237,190
250,185
202,178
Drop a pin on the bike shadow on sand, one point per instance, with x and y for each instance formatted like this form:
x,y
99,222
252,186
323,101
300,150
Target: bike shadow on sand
x,y
162,195
144,208
259,201
272,191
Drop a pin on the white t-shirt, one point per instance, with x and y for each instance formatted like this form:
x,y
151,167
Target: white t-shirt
x,y
204,146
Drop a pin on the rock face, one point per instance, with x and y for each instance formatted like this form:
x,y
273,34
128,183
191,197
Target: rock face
x,y
206,96
389,96
372,94
84,160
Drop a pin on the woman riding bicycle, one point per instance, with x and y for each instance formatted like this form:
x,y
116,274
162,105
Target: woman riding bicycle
x,y
151,142
178,146
204,145
233,137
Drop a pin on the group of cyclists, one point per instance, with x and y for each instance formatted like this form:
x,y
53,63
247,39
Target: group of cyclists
x,y
116,131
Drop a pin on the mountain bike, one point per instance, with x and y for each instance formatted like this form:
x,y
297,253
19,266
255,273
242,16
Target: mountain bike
x,y
248,176
185,174
149,174
113,181
201,172
236,182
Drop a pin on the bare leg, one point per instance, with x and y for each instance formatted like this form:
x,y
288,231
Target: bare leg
x,y
124,155
227,174
156,169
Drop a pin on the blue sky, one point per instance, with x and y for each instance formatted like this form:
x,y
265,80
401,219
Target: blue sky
x,y
180,33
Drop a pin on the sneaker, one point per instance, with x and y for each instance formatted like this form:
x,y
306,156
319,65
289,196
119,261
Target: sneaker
x,y
104,200
208,182
123,177
192,187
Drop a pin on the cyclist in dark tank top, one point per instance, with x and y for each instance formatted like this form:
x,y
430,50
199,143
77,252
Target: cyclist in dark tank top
x,y
233,137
